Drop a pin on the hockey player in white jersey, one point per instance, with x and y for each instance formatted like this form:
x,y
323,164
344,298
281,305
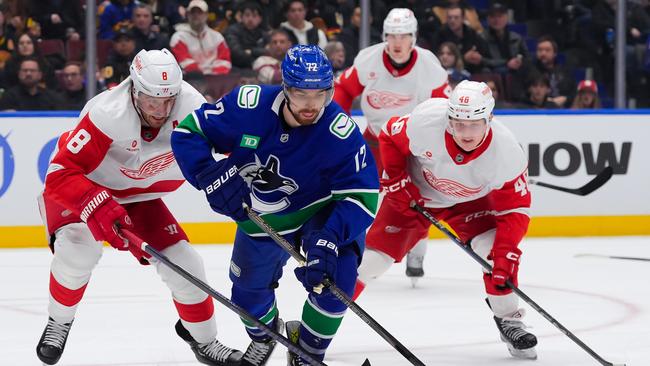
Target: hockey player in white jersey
x,y
111,171
393,77
467,169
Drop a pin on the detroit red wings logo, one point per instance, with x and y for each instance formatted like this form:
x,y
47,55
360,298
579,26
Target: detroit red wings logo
x,y
385,100
151,167
449,187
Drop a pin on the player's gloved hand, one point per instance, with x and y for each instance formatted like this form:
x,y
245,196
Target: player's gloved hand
x,y
225,189
506,262
135,246
103,216
322,255
400,191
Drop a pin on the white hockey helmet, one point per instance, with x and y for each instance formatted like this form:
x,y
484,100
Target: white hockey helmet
x,y
400,21
156,73
471,100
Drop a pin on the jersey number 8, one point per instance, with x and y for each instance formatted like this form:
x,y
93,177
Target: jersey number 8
x,y
77,142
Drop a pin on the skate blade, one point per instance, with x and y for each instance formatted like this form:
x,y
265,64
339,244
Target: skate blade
x,y
414,281
524,354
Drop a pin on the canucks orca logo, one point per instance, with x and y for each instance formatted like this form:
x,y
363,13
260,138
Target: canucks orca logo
x,y
269,188
7,161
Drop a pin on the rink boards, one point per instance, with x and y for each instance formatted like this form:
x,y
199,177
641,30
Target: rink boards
x,y
564,148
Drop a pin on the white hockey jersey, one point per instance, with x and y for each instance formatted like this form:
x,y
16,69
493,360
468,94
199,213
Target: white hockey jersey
x,y
109,148
447,175
388,92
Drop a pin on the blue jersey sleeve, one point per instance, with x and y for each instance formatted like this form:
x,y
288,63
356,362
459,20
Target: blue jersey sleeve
x,y
204,134
355,187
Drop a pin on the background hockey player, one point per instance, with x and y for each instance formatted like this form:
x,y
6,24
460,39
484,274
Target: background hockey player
x,y
467,169
302,163
393,77
111,170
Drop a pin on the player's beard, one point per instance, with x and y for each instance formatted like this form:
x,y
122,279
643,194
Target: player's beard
x,y
306,116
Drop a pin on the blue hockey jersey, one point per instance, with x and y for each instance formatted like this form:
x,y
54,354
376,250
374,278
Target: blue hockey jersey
x,y
292,172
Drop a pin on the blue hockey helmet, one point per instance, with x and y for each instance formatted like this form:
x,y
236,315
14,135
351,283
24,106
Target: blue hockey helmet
x,y
307,67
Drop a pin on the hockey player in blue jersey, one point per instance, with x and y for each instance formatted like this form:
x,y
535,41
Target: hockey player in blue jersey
x,y
300,162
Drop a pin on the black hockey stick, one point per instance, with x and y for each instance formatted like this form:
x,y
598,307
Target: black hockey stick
x,y
262,224
598,181
135,240
583,255
514,288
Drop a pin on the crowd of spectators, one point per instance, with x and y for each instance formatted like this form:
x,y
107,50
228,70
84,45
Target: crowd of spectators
x,y
533,54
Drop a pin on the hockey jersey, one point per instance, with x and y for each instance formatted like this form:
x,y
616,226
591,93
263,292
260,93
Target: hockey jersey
x,y
292,172
388,92
109,148
445,175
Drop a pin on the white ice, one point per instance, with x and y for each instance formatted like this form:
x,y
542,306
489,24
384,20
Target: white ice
x,y
127,317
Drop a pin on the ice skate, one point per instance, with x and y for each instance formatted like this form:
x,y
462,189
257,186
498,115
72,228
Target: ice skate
x,y
210,353
521,344
52,342
414,269
258,353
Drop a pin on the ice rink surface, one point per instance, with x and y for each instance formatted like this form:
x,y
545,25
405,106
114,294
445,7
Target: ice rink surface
x,y
127,317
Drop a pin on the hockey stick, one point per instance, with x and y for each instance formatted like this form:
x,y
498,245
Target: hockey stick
x,y
135,240
334,289
598,181
583,255
514,288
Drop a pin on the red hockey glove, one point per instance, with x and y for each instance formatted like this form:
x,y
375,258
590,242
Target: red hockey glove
x,y
506,262
400,191
102,215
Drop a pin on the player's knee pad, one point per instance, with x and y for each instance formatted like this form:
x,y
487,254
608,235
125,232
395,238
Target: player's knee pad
x,y
186,257
374,264
75,256
482,244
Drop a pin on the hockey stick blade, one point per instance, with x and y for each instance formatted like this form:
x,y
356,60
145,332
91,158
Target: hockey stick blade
x,y
591,255
146,247
522,295
598,181
338,293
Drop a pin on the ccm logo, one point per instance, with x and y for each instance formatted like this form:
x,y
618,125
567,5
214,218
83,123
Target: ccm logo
x,y
396,186
513,256
221,180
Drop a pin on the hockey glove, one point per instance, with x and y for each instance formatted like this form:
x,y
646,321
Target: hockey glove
x,y
225,189
322,256
400,191
506,262
103,215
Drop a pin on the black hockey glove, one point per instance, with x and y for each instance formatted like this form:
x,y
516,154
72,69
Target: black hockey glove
x,y
225,189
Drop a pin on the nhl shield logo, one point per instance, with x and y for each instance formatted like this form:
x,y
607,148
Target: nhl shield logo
x,y
284,137
460,158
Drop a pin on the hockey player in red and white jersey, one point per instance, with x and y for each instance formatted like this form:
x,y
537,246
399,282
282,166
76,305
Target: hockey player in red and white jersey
x,y
392,78
109,172
467,169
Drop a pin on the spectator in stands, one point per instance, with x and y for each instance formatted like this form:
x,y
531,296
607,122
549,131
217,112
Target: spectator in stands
x,y
113,16
246,38
587,96
349,36
16,13
268,67
470,18
119,60
471,45
166,14
26,47
450,59
73,92
561,80
28,95
507,50
199,49
272,13
6,35
62,19
336,54
300,30
499,102
539,89
146,34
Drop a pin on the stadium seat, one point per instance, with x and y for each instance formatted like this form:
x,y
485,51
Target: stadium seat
x,y
75,50
519,28
51,46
